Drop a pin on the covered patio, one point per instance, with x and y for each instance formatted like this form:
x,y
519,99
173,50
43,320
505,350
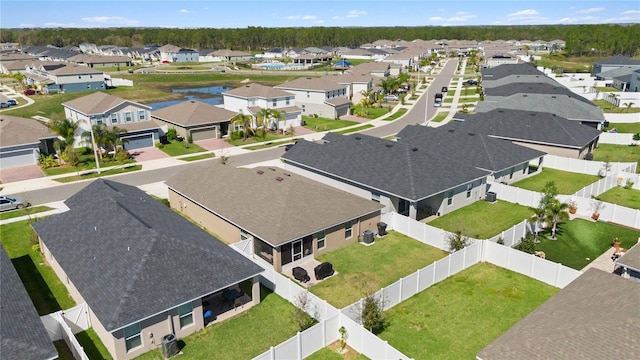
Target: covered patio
x,y
225,304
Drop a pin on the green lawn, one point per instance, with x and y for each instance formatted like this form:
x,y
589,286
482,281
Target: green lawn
x,y
177,148
93,346
581,241
363,268
395,115
270,137
567,182
371,112
632,128
483,220
325,124
607,107
272,144
43,286
95,174
459,316
64,353
621,153
355,129
87,162
332,354
198,157
242,337
22,212
439,117
621,196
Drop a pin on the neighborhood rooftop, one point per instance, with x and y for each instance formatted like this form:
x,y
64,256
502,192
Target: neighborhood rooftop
x,y
270,203
562,105
96,103
131,257
18,131
192,113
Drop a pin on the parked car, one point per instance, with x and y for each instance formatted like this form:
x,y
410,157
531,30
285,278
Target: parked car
x,y
29,92
444,89
391,98
12,102
4,105
10,203
472,82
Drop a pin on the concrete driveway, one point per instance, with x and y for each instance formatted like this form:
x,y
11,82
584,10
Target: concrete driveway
x,y
20,173
146,154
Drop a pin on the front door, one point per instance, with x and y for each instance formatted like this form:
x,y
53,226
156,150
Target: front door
x,y
296,253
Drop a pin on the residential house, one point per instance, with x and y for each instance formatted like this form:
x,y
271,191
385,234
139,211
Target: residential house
x,y
102,108
629,263
250,99
195,119
289,218
19,66
22,333
358,85
378,69
231,56
51,53
143,270
619,78
500,59
9,46
59,78
634,84
8,61
172,53
495,93
97,61
402,176
612,62
274,53
538,130
23,140
594,317
323,96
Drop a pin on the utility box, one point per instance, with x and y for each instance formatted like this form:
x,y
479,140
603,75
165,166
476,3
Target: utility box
x,y
367,238
491,197
169,346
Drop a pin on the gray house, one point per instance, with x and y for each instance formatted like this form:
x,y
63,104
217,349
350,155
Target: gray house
x,y
612,62
22,333
143,270
22,141
195,119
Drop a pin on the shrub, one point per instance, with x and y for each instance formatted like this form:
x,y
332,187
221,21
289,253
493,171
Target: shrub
x,y
47,161
372,315
303,304
237,135
172,134
527,244
457,241
159,145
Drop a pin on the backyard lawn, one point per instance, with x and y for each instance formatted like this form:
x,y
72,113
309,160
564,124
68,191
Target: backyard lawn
x,y
483,220
622,153
459,316
632,128
325,124
567,182
242,337
621,196
43,286
329,353
369,268
581,241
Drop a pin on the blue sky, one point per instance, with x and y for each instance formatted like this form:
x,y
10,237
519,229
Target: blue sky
x,y
306,13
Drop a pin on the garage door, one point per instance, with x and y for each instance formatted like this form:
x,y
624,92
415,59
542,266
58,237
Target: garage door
x,y
139,142
17,158
204,134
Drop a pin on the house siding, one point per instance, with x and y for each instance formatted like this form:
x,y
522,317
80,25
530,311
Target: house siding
x,y
560,151
517,171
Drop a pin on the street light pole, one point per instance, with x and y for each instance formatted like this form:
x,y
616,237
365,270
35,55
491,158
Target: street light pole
x,y
426,108
93,145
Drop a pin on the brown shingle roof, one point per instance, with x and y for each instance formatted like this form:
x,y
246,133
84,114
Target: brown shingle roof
x,y
191,113
276,211
18,131
323,83
75,69
594,317
97,103
257,90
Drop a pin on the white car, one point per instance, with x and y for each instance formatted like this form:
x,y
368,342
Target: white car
x,y
391,98
9,203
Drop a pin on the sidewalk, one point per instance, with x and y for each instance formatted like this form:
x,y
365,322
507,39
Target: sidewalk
x,y
57,206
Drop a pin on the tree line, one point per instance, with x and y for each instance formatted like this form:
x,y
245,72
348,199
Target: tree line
x,y
594,40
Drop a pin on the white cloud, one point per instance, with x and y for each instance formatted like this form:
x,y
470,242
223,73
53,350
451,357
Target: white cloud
x,y
631,12
183,11
576,20
27,25
436,18
627,16
350,15
55,25
590,10
523,13
111,21
462,16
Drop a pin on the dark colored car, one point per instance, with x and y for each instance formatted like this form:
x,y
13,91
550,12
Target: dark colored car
x,y
12,102
29,92
444,89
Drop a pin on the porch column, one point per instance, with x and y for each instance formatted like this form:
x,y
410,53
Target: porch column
x,y
277,259
413,210
255,290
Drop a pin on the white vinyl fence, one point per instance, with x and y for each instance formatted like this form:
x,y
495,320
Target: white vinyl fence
x,y
64,324
587,166
616,139
599,187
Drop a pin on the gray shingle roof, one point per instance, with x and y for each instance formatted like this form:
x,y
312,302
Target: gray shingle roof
x,y
594,317
528,126
397,168
507,80
276,211
618,60
257,90
131,257
529,88
503,70
562,105
631,259
323,83
474,149
22,334
97,103
193,113
19,131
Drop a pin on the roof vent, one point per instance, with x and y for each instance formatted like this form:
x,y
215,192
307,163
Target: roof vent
x,y
524,95
286,174
451,130
272,169
358,138
472,134
553,96
279,178
414,149
532,114
260,172
192,101
389,145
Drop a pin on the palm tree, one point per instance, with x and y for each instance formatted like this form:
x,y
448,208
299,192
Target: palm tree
x,y
276,116
264,121
245,122
538,216
628,105
366,98
101,138
66,129
116,134
556,212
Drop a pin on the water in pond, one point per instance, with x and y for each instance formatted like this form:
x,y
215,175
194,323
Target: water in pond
x,y
210,95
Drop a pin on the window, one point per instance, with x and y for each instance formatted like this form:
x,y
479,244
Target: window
x,y
375,197
99,120
274,103
304,108
288,101
142,115
348,229
321,239
114,118
524,170
185,312
88,86
128,116
308,94
450,198
511,174
244,235
132,338
469,187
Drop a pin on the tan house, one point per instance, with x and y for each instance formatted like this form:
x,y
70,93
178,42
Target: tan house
x,y
196,119
144,271
289,218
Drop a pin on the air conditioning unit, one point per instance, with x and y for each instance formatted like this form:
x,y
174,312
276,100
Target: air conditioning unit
x,y
491,197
